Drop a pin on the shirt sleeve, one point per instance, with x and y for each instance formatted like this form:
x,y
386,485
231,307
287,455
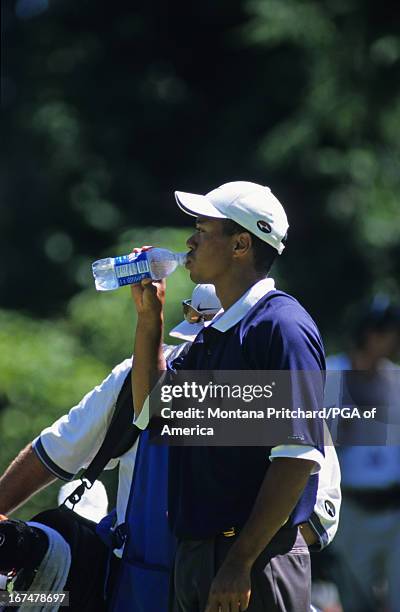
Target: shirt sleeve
x,y
324,520
143,419
71,443
299,451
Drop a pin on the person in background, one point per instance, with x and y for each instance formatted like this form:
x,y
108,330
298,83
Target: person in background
x,y
368,540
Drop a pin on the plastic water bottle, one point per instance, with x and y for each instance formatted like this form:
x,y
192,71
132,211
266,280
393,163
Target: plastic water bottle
x,y
114,272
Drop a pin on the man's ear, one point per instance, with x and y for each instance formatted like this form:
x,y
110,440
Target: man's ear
x,y
242,244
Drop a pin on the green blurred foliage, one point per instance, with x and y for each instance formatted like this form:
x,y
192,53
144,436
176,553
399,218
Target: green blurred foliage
x,y
342,139
44,370
106,112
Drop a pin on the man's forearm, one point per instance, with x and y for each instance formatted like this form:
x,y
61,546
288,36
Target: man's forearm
x,y
281,489
25,476
149,361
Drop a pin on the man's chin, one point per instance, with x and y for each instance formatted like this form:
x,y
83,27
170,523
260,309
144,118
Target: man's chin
x,y
195,277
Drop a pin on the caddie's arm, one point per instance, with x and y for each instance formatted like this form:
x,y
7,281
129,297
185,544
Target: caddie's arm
x,y
149,361
25,476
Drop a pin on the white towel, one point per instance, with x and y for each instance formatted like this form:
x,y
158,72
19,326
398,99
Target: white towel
x,y
52,573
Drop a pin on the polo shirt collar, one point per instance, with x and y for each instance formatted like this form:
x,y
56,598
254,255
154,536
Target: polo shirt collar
x,y
225,320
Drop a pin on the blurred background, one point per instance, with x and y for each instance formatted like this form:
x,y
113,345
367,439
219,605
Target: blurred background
x,y
106,109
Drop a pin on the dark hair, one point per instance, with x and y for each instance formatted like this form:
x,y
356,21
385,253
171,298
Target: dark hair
x,y
379,317
264,254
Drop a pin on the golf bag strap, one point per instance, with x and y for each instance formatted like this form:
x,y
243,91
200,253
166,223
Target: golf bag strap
x,y
120,437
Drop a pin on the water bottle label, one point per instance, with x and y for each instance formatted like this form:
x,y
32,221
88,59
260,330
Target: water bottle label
x,y
131,269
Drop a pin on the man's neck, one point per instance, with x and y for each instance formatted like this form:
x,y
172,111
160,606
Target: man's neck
x,y
231,287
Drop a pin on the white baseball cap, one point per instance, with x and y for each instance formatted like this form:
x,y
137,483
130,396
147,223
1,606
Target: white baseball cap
x,y
205,301
252,206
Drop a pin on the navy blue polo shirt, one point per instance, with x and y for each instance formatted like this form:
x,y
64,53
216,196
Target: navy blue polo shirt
x,y
212,489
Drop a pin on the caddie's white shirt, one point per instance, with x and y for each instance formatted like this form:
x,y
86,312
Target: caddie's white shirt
x,y
71,443
324,520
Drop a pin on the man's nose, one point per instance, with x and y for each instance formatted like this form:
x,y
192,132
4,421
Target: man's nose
x,y
191,241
